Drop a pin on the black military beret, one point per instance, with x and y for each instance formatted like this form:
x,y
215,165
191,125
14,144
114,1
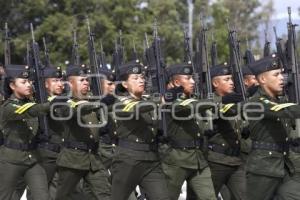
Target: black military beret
x,y
246,71
219,70
52,72
77,70
265,64
132,67
179,69
18,71
109,75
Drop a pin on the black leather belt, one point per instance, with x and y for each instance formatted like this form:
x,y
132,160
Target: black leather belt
x,y
107,140
87,147
137,146
50,146
19,146
187,144
282,147
224,150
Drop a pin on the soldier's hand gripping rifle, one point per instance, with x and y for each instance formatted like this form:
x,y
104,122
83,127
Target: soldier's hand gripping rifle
x,y
267,45
118,54
39,83
188,58
235,63
94,66
7,54
75,60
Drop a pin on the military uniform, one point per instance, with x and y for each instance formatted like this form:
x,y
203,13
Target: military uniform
x,y
136,160
19,157
79,158
268,164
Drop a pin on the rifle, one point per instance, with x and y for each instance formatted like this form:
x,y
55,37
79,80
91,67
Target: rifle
x,y
7,54
213,51
157,71
118,54
134,55
96,81
267,45
46,52
248,57
188,58
75,55
235,63
102,58
39,83
280,50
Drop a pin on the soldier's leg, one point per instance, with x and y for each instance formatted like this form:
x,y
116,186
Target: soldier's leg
x,y
67,182
237,184
175,177
202,185
261,187
99,184
220,174
10,174
125,177
36,179
290,188
154,183
20,189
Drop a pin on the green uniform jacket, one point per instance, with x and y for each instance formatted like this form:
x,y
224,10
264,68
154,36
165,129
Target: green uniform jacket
x,y
20,124
228,132
270,129
140,127
74,158
185,130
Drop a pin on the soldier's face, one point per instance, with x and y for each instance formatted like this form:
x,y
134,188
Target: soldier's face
x,y
250,80
187,82
54,86
80,85
272,81
21,87
108,87
135,84
223,84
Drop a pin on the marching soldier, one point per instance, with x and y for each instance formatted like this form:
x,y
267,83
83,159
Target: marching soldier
x,y
19,159
136,160
79,158
268,164
224,141
185,159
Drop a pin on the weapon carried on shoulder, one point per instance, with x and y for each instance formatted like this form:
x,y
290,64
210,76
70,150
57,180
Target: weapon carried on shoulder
x,y
118,54
280,49
213,51
102,58
39,82
267,46
75,55
202,64
235,63
248,57
7,55
94,66
46,53
134,54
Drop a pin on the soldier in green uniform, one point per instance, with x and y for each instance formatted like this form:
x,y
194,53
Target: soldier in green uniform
x,y
136,160
79,158
19,159
185,159
268,164
224,141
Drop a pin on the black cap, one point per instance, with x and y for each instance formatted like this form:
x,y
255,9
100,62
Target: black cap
x,y
246,70
52,72
179,69
265,64
220,70
109,75
17,71
77,70
132,67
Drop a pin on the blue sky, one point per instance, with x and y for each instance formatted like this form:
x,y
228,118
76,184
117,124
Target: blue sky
x,y
280,7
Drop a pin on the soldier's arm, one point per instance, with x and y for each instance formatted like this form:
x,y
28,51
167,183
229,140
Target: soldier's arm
x,y
189,106
12,111
130,108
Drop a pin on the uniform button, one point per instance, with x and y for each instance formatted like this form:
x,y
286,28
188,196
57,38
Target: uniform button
x,y
152,129
62,139
197,123
113,145
198,134
23,120
236,141
284,153
270,153
90,150
223,144
286,139
91,136
206,123
29,155
137,140
115,132
30,128
286,125
197,147
29,141
152,140
115,121
152,118
90,122
278,119
75,148
184,148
